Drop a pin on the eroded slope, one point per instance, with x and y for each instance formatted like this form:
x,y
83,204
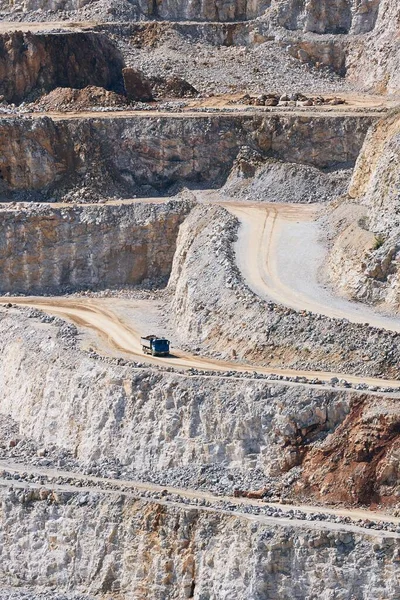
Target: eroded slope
x,y
363,261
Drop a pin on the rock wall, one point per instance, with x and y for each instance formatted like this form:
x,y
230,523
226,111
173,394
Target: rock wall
x,y
169,10
319,16
326,16
373,61
149,419
150,33
364,258
326,52
175,426
375,182
368,57
51,249
148,155
34,63
143,550
205,10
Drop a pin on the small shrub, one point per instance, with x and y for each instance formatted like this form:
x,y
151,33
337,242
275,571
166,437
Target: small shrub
x,y
379,241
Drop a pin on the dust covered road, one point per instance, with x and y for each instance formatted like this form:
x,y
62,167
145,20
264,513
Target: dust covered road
x,y
122,338
279,255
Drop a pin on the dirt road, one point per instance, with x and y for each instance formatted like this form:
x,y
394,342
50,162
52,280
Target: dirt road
x,y
135,488
122,338
279,255
187,112
34,27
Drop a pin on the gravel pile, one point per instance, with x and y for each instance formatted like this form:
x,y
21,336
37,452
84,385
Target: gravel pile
x,y
229,69
257,179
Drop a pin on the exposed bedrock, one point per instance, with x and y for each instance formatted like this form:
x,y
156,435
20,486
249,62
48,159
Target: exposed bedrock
x,y
146,550
151,33
204,10
41,62
150,154
373,60
360,461
320,52
50,249
169,10
369,61
326,16
364,259
319,16
226,318
151,420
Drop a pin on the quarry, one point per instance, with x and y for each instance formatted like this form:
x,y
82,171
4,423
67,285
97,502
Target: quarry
x,y
223,175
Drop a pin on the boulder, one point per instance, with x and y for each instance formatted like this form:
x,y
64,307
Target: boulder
x,y
172,87
137,86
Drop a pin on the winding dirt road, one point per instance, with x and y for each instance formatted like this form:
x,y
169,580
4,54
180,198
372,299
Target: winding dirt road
x,y
120,337
279,256
277,265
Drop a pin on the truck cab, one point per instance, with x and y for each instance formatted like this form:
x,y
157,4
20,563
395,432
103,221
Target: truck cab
x,y
155,346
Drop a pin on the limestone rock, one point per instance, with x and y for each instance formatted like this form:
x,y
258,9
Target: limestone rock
x,y
33,63
88,246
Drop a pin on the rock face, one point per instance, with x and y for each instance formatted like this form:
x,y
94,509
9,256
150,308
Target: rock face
x,y
44,154
41,62
369,61
359,462
363,261
326,16
148,155
373,60
208,10
224,316
48,249
318,52
170,10
375,182
146,550
150,420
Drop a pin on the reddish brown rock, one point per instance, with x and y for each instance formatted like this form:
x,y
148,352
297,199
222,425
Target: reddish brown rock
x,y
359,462
137,87
172,87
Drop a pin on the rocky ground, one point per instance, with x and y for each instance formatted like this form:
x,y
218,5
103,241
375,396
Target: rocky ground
x,y
254,330
127,133
257,180
363,260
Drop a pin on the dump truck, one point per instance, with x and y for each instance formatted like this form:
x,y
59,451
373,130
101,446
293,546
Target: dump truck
x,y
154,345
